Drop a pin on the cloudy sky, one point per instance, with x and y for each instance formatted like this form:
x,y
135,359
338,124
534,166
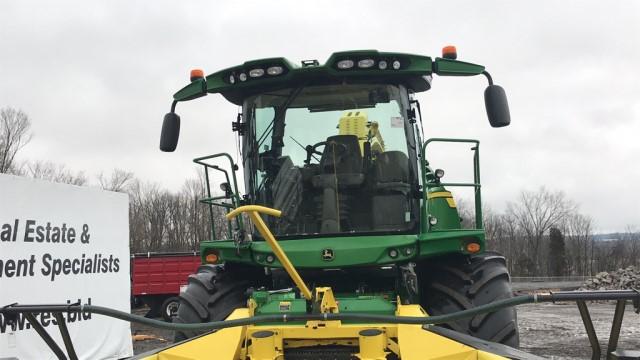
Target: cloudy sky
x,y
96,78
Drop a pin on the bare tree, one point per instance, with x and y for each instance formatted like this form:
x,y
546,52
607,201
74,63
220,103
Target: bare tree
x,y
535,213
14,135
118,181
579,229
47,170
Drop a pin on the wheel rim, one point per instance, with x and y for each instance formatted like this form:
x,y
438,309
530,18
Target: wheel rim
x,y
172,309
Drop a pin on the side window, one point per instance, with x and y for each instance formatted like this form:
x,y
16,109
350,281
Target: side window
x,y
263,129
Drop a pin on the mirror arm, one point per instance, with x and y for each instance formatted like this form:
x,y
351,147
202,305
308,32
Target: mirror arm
x,y
486,73
173,106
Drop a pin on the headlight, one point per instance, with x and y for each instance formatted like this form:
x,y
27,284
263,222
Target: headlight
x,y
345,64
365,63
396,64
275,70
242,77
382,65
254,73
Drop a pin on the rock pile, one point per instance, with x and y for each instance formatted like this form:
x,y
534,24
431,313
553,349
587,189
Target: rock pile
x,y
628,278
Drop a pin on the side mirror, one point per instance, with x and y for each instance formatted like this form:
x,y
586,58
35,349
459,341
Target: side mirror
x,y
495,101
170,132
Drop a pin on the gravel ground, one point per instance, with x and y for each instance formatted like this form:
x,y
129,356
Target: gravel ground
x,y
554,331
158,338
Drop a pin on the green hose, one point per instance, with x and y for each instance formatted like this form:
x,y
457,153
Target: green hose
x,y
260,319
10,311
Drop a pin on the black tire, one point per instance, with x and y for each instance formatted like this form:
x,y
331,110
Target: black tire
x,y
460,283
211,295
170,308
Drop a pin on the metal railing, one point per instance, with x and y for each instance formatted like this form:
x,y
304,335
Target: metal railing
x,y
428,183
214,200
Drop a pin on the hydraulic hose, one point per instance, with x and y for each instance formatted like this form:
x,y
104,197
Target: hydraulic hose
x,y
284,318
634,295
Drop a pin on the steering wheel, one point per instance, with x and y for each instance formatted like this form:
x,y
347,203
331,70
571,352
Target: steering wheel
x,y
339,148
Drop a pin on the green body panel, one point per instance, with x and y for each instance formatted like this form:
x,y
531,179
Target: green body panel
x,y
439,208
348,250
192,91
449,67
287,303
278,303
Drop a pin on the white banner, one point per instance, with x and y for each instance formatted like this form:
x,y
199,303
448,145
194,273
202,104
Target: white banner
x,y
63,244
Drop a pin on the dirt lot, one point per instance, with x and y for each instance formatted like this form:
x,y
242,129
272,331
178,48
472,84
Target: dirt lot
x,y
554,331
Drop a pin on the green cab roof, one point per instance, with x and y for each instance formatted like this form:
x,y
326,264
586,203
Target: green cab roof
x,y
353,67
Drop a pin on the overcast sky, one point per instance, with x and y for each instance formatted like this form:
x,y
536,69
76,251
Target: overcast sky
x,y
96,77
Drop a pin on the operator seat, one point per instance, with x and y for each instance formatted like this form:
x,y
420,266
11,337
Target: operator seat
x,y
391,203
287,191
340,168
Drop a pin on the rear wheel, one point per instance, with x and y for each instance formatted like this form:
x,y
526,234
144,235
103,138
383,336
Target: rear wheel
x,y
211,295
461,283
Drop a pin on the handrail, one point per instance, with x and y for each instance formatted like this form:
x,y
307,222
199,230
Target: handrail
x,y
235,199
254,211
476,177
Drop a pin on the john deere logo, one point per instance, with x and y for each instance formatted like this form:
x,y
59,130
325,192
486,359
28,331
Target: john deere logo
x,y
327,254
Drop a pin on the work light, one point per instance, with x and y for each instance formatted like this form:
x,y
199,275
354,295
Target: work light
x,y
254,73
345,64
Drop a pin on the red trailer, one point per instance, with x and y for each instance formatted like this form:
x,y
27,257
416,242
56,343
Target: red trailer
x,y
156,279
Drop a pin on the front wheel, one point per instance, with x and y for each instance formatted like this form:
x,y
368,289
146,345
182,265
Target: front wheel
x,y
461,283
211,295
170,308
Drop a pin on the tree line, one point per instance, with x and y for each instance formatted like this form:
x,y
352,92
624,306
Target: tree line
x,y
542,232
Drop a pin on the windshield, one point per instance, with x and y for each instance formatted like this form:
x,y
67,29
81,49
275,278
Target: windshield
x,y
320,153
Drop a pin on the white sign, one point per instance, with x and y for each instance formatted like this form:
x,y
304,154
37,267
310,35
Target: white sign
x,y
62,244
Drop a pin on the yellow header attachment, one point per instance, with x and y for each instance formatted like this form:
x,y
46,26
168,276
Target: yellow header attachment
x,y
354,123
254,213
357,123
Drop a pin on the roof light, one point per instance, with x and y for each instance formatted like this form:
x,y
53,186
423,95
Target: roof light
x,y
396,64
196,74
275,70
243,77
449,52
382,65
254,73
365,63
345,64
